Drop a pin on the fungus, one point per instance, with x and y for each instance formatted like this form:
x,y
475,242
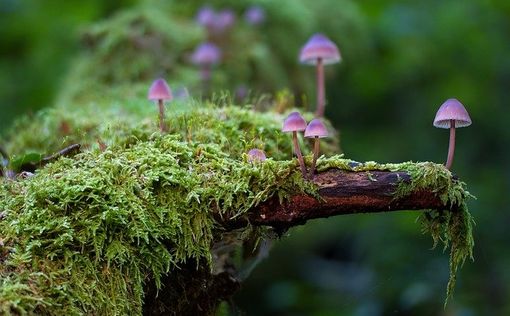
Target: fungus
x,y
160,91
320,51
206,17
296,123
255,15
224,20
205,56
315,129
256,155
452,114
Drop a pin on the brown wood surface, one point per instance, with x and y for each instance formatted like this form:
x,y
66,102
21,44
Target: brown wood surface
x,y
345,192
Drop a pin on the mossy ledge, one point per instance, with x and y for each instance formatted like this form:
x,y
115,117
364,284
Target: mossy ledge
x,y
98,232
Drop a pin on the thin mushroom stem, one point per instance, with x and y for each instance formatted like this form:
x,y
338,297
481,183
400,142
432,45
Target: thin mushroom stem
x,y
451,146
320,89
205,74
316,146
161,106
298,153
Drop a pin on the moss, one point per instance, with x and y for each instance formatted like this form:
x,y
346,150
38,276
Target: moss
x,y
99,224
86,233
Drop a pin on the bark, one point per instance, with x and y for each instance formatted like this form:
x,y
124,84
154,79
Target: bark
x,y
344,192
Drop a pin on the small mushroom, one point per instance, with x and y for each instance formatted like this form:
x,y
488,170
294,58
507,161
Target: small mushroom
x,y
225,20
320,51
452,114
256,155
205,56
315,129
296,123
255,15
160,91
206,17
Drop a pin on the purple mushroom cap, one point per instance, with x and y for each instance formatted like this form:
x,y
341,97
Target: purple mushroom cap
x,y
255,15
206,54
224,20
452,109
293,123
319,46
316,129
159,90
256,155
206,16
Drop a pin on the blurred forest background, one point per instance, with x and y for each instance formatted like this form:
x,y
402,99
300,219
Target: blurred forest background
x,y
401,60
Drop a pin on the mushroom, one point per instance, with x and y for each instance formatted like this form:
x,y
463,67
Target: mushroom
x,y
225,20
205,56
160,91
315,129
206,17
296,123
320,51
451,114
256,155
255,15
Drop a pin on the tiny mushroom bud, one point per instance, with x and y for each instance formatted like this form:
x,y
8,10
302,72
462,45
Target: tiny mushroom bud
x,y
181,93
160,91
315,129
256,155
296,123
451,114
320,51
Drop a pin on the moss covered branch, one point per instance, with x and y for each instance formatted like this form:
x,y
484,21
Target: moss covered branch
x,y
108,228
347,192
151,224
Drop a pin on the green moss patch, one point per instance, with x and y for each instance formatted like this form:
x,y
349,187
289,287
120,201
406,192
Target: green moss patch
x,y
86,233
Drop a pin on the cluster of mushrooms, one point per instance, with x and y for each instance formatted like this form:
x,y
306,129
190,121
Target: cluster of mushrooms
x,y
318,51
217,24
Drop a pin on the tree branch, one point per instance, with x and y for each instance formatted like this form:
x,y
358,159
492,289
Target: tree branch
x,y
346,192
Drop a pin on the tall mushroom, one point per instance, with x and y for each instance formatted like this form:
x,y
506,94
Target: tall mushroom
x,y
296,123
452,114
205,56
160,91
320,51
315,129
